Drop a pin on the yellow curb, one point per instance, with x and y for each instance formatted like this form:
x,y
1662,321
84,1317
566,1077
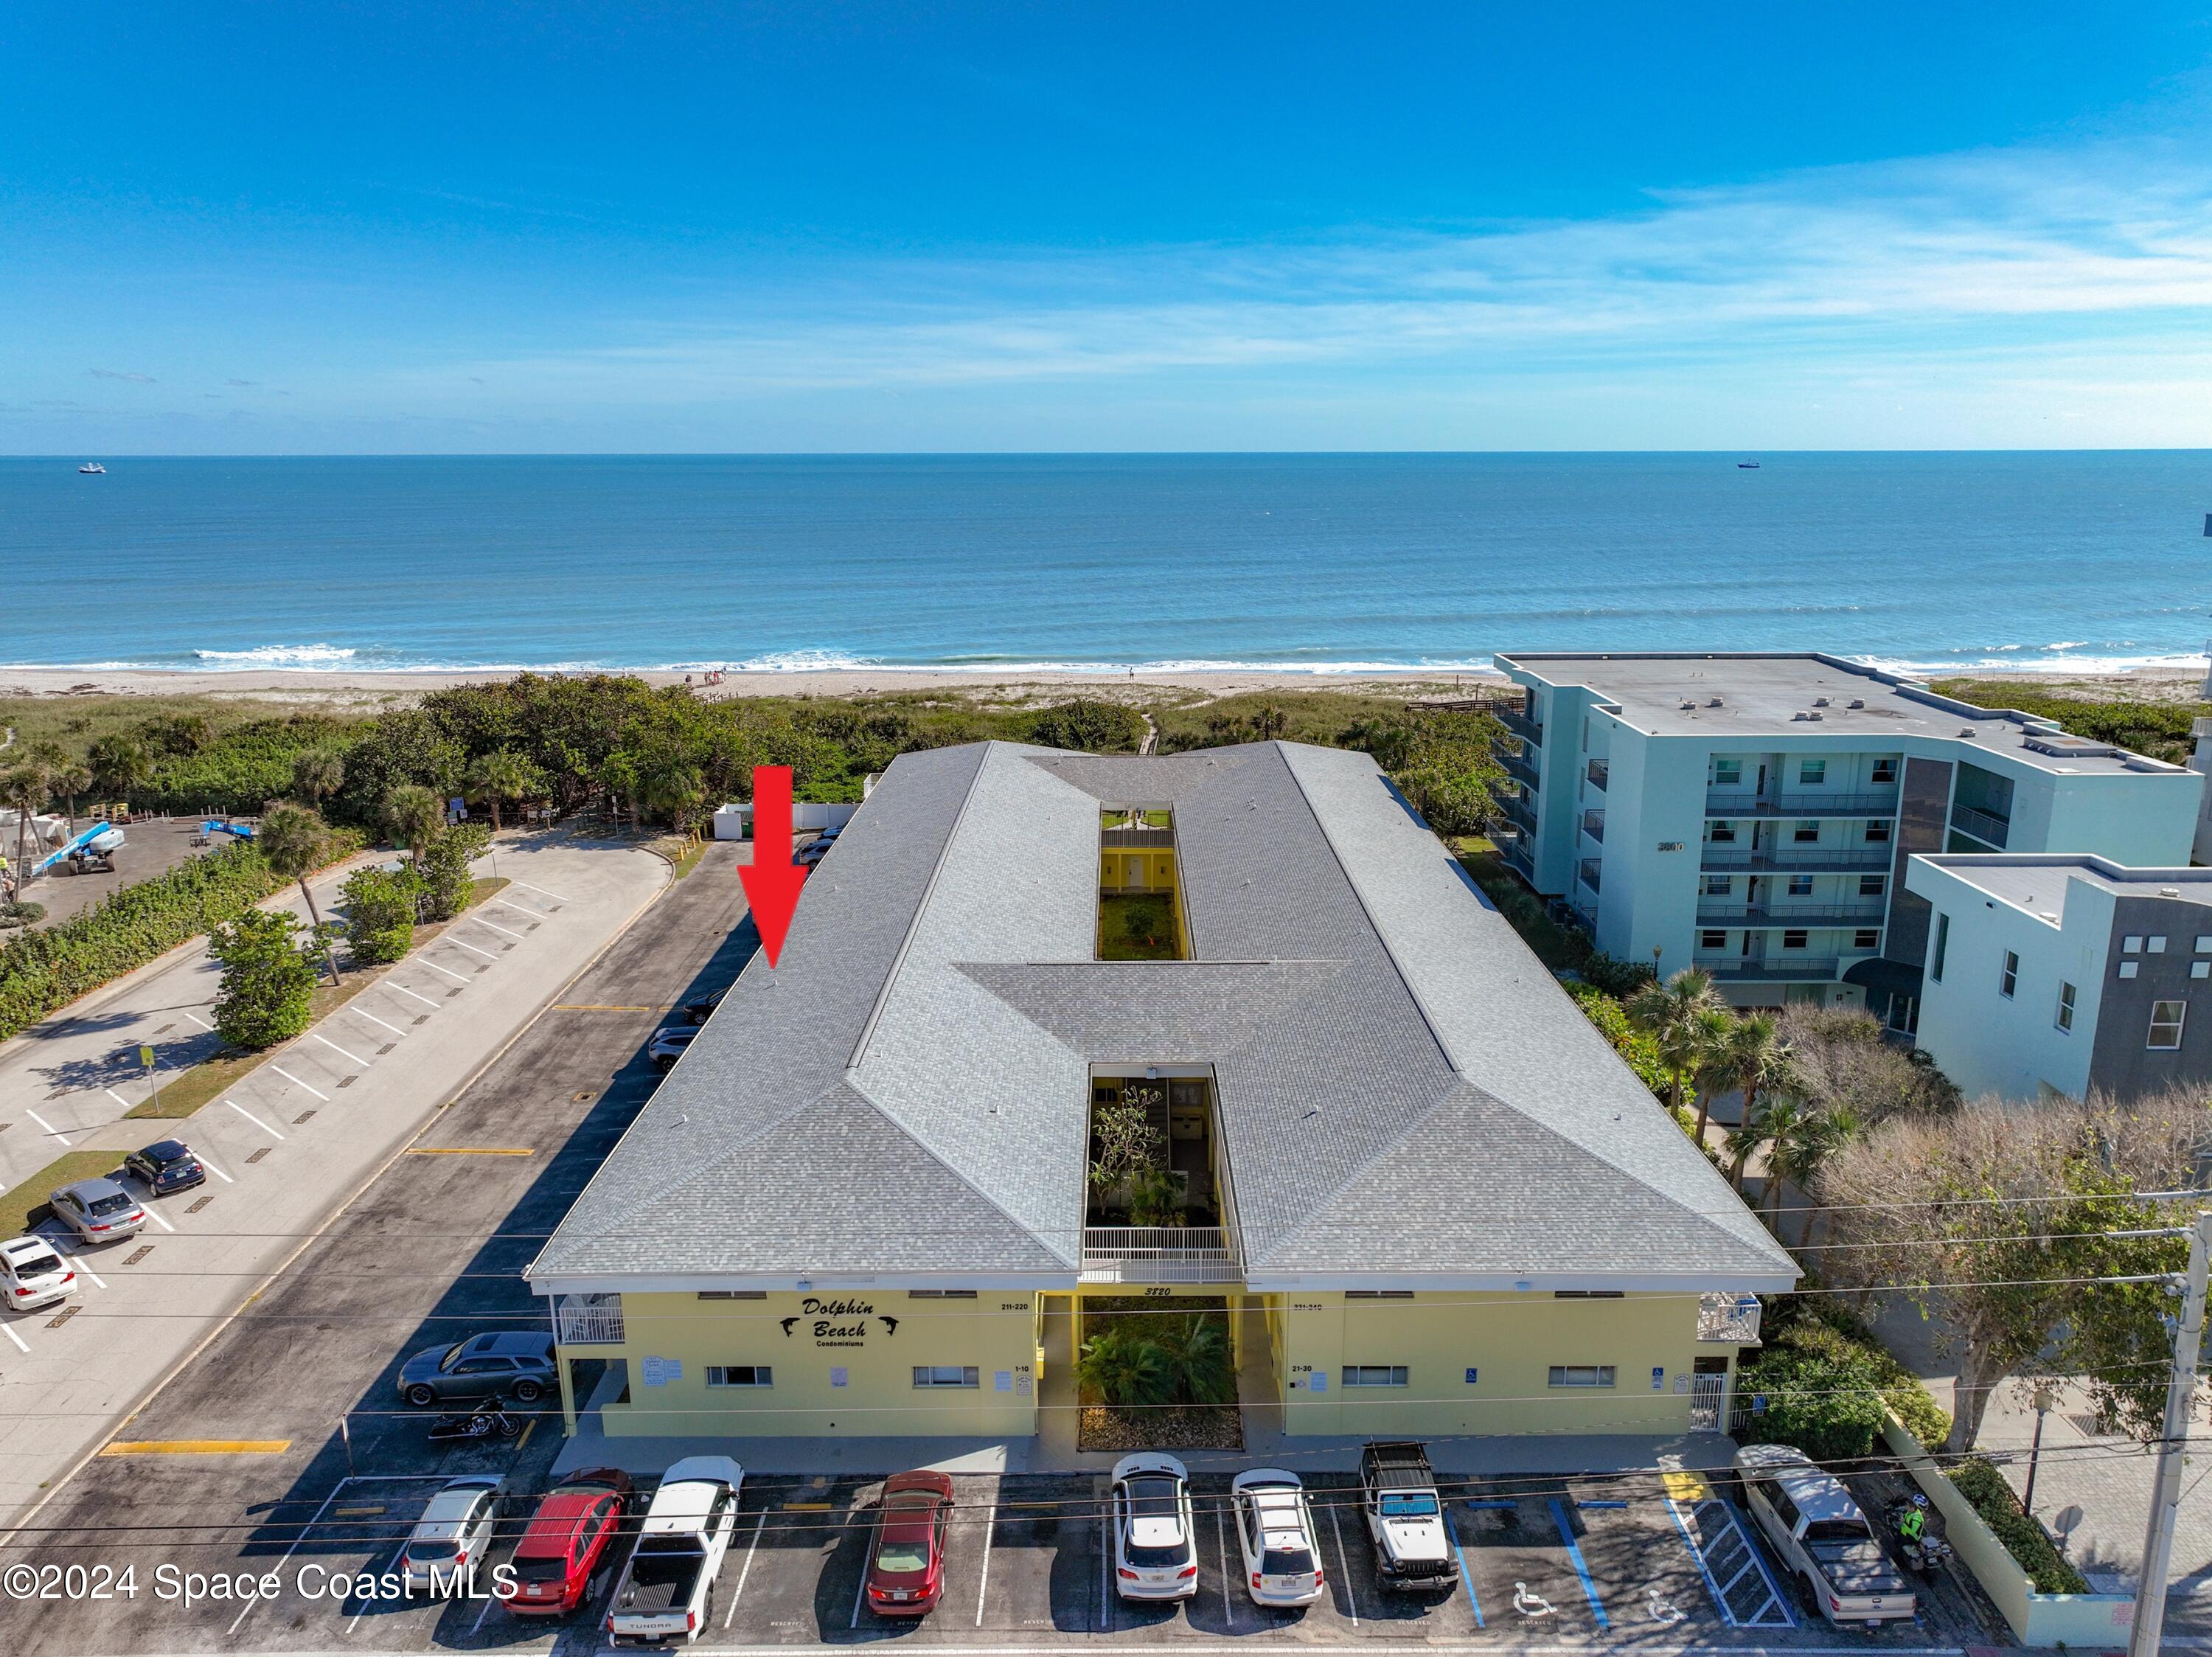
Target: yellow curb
x,y
464,1150
196,1447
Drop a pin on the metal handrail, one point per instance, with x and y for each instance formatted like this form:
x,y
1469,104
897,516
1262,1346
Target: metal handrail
x,y
588,1320
1728,802
1812,969
1784,859
1594,826
1161,839
1588,872
1982,825
1527,729
1158,1254
1732,1318
1745,914
1600,773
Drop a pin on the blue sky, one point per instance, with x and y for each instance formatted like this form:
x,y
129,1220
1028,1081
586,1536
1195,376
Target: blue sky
x,y
398,227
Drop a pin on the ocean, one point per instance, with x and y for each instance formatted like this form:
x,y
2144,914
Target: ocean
x,y
1322,563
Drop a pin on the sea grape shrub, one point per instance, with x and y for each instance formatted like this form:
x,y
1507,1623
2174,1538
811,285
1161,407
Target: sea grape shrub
x,y
380,914
268,982
448,886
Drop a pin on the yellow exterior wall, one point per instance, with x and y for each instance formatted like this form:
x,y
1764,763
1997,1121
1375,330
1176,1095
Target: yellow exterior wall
x,y
1510,1341
1152,870
996,1332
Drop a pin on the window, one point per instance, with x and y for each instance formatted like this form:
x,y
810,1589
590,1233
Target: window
x,y
1776,1498
944,1374
2065,1019
1378,1293
1374,1374
941,1293
1813,772
1712,940
2157,945
1722,834
1805,833
2200,969
1719,886
2009,980
2166,1017
1728,773
2204,943
1885,770
1871,885
1867,937
1796,938
733,1295
2131,945
1877,832
741,1374
1935,955
1582,1375
1801,886
2127,968
1588,1294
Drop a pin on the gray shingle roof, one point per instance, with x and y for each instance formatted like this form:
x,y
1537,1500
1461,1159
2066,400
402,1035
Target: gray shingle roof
x,y
1402,1087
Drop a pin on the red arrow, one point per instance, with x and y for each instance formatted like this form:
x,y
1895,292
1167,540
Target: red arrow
x,y
771,883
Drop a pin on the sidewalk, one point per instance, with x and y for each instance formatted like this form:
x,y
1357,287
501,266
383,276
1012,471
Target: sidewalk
x,y
287,1147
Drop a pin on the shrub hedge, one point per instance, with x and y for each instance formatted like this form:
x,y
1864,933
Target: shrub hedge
x,y
1821,1348
2024,1540
1830,1411
43,970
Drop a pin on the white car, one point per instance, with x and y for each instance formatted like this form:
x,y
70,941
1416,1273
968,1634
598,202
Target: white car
x,y
32,1275
1155,1551
1275,1529
666,1592
452,1537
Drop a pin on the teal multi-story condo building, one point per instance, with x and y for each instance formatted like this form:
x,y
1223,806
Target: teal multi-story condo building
x,y
1753,814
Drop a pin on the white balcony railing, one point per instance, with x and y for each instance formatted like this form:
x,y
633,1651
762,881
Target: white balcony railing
x,y
1158,1254
588,1320
1730,1319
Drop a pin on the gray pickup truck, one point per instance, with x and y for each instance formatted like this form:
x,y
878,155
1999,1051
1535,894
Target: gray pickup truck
x,y
1811,1521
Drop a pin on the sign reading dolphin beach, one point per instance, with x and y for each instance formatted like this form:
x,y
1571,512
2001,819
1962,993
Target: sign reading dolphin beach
x,y
839,1323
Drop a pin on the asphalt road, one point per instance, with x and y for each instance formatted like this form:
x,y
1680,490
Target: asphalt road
x,y
430,1252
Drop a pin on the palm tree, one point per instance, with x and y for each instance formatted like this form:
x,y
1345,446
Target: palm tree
x,y
118,765
668,781
1803,1141
69,782
414,817
1680,1015
1196,1348
291,839
500,775
1752,1057
317,774
1761,1120
1123,1368
24,787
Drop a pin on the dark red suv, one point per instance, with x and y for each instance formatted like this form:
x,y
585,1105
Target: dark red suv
x,y
570,1536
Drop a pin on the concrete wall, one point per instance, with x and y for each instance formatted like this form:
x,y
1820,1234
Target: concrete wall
x,y
1509,1341
2124,1062
827,1335
2145,819
735,822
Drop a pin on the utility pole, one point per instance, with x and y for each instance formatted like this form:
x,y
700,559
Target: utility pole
x,y
2166,1490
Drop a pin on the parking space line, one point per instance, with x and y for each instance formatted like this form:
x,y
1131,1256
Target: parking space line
x,y
117,1097
154,1213
1344,1567
81,1266
1105,1567
555,896
990,1535
216,1171
496,926
1575,1557
247,1609
340,1051
297,1082
1466,1575
759,1519
405,991
447,970
51,1130
476,1627
254,1119
373,1019
859,1589
473,949
1221,1544
9,1329
196,1018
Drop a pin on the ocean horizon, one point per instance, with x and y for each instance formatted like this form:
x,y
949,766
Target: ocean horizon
x,y
1327,564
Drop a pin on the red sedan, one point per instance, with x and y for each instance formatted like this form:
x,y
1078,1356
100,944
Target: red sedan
x,y
906,1568
571,1535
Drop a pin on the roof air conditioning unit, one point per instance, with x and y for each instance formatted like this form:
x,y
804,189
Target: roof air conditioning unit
x,y
1715,703
1820,702
1858,702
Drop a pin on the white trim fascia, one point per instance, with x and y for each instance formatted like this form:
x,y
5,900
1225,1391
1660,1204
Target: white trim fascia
x,y
786,1283
1540,1282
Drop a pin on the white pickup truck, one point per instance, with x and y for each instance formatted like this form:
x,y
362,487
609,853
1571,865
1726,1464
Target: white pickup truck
x,y
1822,1536
1406,1518
666,1593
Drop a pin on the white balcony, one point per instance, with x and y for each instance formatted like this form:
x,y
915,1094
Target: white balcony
x,y
1729,1319
588,1320
1158,1254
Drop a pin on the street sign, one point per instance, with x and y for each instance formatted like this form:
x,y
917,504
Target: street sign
x,y
146,1056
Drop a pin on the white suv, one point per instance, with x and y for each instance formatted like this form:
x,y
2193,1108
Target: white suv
x,y
1155,1546
1274,1528
32,1275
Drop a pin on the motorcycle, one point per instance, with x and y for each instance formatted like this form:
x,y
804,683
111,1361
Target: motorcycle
x,y
1924,1552
489,1419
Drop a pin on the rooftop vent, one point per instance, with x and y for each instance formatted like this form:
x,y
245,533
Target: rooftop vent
x,y
1714,703
2061,745
1967,731
1858,702
1688,705
2169,892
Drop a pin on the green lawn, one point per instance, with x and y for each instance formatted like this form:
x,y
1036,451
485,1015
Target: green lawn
x,y
21,1208
1138,926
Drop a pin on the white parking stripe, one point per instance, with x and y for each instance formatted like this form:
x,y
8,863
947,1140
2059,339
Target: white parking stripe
x,y
447,970
196,1018
520,908
496,926
759,1519
990,1534
405,991
335,1048
78,1265
9,1330
246,1611
117,1097
154,1213
216,1171
1221,1541
555,896
1351,1593
297,1082
490,1599
860,1593
473,949
373,1019
254,1119
50,1128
